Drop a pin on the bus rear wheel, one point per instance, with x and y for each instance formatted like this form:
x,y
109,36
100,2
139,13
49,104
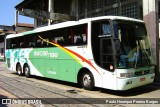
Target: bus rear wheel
x,y
87,81
19,70
27,71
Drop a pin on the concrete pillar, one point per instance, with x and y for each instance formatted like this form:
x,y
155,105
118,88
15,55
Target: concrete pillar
x,y
74,8
35,23
150,16
5,47
16,20
50,9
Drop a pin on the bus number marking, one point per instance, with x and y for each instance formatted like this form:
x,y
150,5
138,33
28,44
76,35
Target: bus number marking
x,y
45,54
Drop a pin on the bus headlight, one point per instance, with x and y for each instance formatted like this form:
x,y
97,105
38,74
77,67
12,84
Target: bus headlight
x,y
126,75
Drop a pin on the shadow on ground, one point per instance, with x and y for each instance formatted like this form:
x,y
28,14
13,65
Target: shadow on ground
x,y
135,91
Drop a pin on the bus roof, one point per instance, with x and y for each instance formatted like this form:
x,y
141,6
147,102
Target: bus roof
x,y
116,18
72,23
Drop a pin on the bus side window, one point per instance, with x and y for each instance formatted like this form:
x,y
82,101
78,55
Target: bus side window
x,y
68,40
84,38
8,44
80,34
78,40
13,46
60,40
106,28
51,40
14,43
21,45
45,43
31,44
39,43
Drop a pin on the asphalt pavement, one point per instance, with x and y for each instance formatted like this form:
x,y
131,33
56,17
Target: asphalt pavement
x,y
4,94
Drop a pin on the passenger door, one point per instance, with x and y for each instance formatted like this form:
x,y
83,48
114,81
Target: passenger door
x,y
106,54
107,58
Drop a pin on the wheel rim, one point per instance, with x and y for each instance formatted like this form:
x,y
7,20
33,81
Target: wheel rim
x,y
19,70
26,71
87,80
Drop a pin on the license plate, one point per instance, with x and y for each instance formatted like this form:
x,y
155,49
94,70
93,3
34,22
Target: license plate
x,y
142,79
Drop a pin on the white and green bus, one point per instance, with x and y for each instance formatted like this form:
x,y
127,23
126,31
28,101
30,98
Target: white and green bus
x,y
110,52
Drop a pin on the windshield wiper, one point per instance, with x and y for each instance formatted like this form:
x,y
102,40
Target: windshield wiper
x,y
136,59
145,54
142,53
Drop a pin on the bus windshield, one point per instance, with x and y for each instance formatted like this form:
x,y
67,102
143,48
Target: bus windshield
x,y
133,46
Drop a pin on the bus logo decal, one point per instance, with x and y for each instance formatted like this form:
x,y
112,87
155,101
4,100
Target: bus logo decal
x,y
70,52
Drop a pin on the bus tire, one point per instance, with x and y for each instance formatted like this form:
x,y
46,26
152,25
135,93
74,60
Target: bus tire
x,y
19,69
27,71
87,81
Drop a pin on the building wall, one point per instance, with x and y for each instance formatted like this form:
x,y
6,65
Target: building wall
x,y
23,29
150,16
90,8
93,8
19,29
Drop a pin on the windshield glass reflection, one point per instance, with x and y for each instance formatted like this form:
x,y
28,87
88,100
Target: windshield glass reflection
x,y
134,46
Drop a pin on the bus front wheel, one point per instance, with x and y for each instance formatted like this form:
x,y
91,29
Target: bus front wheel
x,y
87,81
27,71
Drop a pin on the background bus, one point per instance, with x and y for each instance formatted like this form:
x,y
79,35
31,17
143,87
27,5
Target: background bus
x,y
110,52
